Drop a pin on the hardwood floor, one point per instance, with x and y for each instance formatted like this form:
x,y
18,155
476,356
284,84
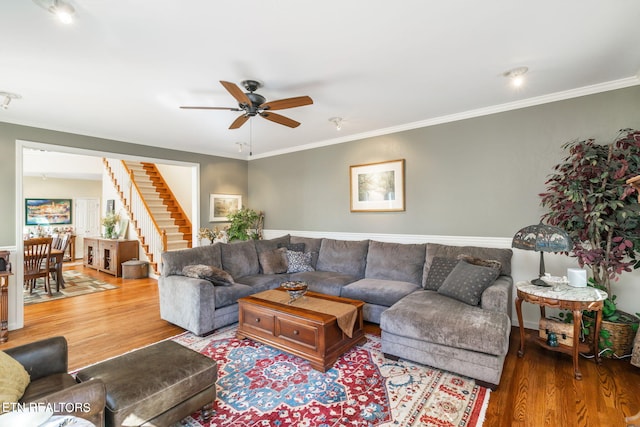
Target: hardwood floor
x,y
536,390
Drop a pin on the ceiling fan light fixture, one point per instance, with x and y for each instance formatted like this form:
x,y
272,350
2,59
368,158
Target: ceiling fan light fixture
x,y
8,97
516,75
337,121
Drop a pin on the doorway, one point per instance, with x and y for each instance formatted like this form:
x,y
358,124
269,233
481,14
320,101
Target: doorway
x,y
91,215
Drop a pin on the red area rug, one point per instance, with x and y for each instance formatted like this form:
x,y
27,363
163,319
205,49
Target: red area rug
x,y
261,386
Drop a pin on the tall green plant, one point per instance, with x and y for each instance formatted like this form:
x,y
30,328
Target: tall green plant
x,y
245,224
588,197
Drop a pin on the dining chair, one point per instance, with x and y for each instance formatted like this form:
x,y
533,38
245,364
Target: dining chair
x,y
59,245
37,253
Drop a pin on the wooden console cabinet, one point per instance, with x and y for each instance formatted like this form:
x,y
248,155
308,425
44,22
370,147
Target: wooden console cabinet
x,y
107,255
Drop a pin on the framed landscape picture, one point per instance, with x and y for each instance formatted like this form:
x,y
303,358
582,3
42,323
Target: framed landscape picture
x,y
47,211
377,187
220,205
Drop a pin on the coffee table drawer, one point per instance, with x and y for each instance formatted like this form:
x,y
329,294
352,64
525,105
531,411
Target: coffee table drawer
x,y
255,318
299,333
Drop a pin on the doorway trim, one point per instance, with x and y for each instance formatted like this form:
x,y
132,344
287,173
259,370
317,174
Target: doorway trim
x,y
16,299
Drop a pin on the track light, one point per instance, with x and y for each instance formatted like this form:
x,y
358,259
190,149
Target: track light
x,y
8,97
241,146
337,121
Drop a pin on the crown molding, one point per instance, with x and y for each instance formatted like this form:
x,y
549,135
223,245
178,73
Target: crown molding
x,y
500,108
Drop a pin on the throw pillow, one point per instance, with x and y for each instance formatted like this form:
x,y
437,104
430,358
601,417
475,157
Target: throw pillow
x,y
466,282
215,275
273,261
299,261
296,247
14,379
493,263
440,269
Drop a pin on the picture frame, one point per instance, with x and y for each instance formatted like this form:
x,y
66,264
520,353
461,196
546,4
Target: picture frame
x,y
377,187
220,205
48,211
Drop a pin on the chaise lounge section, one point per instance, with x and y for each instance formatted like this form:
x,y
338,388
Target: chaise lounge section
x,y
445,306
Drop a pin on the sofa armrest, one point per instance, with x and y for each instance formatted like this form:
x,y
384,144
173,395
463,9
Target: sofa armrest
x,y
84,400
497,297
42,358
187,302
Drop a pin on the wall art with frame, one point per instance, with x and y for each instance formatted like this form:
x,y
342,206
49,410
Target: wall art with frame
x,y
377,187
47,211
221,205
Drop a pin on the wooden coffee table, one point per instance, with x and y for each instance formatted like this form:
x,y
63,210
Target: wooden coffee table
x,y
308,334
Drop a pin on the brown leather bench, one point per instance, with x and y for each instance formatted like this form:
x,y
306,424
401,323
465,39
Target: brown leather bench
x,y
156,385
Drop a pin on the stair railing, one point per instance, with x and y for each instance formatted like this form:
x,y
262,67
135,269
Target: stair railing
x,y
150,234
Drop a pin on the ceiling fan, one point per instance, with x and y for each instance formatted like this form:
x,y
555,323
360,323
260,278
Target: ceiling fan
x,y
253,104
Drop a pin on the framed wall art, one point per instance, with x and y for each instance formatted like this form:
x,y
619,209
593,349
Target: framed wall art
x,y
47,211
377,187
220,205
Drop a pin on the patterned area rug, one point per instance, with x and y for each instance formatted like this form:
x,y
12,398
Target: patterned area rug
x,y
261,386
76,284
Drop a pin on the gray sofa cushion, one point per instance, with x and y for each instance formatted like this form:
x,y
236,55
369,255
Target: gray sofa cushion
x,y
174,261
273,261
262,282
395,261
215,275
467,282
429,316
446,251
378,291
343,256
324,282
311,245
440,269
240,259
228,295
269,245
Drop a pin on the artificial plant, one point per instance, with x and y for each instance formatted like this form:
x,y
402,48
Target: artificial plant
x,y
245,224
588,197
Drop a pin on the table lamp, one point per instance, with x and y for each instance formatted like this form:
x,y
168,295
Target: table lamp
x,y
542,238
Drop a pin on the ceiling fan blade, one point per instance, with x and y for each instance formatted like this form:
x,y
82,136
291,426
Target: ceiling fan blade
x,y
277,118
236,92
211,108
239,121
282,104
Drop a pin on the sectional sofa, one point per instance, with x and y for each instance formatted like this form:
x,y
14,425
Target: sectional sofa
x,y
444,306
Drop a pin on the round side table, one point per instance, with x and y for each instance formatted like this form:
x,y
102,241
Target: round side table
x,y
564,297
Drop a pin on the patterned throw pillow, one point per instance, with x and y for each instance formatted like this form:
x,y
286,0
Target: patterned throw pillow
x,y
215,275
15,380
299,261
467,282
273,261
440,269
493,263
296,247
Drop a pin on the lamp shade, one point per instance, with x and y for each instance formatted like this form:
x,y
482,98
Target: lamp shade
x,y
542,238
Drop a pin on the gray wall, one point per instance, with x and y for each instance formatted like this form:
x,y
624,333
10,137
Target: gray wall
x,y
217,174
474,177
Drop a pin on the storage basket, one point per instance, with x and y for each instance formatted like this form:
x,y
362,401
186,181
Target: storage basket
x,y
621,336
563,331
135,269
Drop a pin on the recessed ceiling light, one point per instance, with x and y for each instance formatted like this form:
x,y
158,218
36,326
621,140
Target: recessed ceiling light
x,y
516,75
60,8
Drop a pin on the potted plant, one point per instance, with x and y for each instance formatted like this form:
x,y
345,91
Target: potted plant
x,y
245,224
588,197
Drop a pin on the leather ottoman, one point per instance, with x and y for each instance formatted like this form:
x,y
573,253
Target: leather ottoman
x,y
156,385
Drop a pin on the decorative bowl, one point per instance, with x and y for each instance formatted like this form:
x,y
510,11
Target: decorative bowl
x,y
295,289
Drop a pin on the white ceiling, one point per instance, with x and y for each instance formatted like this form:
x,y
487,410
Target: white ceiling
x,y
124,67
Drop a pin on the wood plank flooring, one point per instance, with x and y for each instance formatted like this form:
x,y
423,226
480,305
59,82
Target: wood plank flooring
x,y
536,390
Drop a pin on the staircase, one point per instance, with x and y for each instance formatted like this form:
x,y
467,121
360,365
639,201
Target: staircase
x,y
156,215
